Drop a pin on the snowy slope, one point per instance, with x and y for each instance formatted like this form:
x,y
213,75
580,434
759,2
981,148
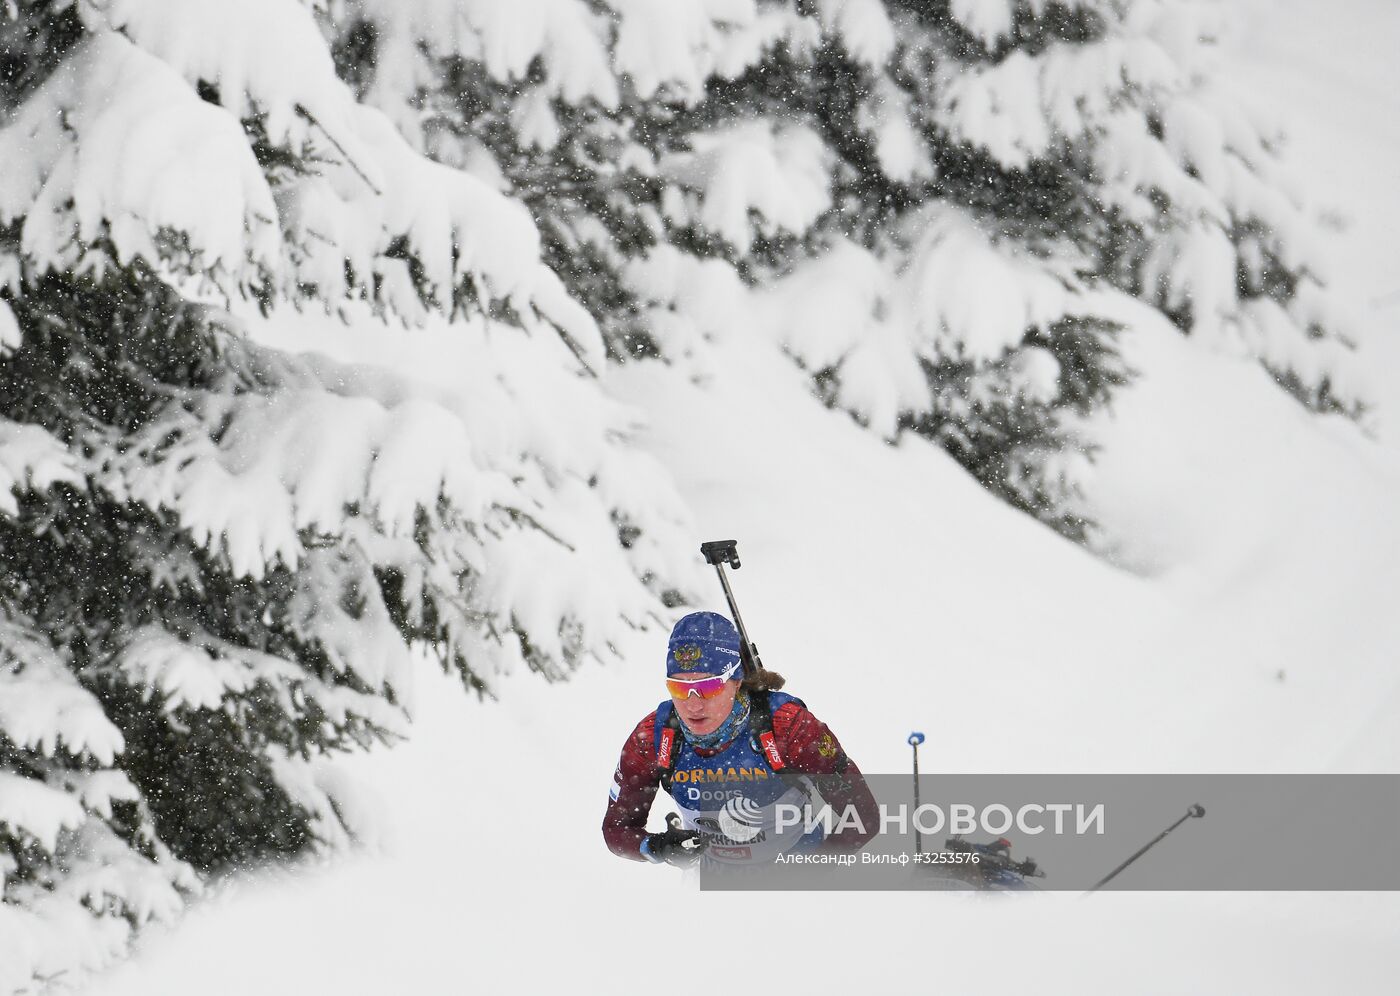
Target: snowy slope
x,y
1283,531
493,874
1271,548
482,859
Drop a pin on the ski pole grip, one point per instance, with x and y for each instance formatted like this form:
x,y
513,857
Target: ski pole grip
x,y
915,738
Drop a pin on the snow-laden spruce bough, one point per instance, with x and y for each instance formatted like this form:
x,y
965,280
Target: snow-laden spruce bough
x,y
215,557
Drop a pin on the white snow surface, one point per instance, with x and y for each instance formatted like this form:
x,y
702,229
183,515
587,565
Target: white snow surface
x,y
1245,625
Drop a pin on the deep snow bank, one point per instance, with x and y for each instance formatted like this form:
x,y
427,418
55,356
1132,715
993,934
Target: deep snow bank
x,y
493,874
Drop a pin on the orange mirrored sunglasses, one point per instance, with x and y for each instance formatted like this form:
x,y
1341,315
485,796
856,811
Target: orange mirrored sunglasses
x,y
707,687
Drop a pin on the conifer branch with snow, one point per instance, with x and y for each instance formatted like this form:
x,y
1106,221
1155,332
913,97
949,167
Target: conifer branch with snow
x,y
220,559
964,186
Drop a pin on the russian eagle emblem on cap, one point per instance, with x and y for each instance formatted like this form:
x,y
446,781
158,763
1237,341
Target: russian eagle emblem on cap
x,y
688,654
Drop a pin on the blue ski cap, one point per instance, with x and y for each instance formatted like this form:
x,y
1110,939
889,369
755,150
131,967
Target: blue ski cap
x,y
702,643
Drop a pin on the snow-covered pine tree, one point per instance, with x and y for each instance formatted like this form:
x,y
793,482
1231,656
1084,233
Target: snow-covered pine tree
x,y
930,204
216,558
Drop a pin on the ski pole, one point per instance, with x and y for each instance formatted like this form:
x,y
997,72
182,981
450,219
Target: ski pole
x,y
915,739
1196,810
717,553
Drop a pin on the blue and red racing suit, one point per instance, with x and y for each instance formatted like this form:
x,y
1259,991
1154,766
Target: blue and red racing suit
x,y
730,795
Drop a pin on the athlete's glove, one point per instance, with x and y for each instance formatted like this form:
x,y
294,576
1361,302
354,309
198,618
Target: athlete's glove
x,y
676,846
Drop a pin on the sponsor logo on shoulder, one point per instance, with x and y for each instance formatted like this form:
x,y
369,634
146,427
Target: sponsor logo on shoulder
x,y
770,750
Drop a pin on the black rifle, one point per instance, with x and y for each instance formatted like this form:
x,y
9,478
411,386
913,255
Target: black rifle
x,y
718,553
